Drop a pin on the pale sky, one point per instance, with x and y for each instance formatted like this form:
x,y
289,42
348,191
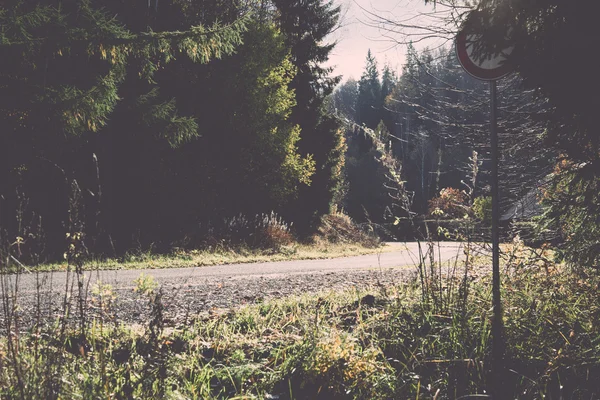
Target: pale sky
x,y
360,31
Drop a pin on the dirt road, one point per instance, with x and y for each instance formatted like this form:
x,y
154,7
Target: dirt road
x,y
188,291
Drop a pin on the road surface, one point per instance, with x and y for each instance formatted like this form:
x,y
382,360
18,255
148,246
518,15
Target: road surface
x,y
188,291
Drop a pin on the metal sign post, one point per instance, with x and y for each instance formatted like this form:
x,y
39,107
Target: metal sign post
x,y
498,342
490,68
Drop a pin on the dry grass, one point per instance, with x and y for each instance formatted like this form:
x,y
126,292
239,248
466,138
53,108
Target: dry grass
x,y
240,255
339,228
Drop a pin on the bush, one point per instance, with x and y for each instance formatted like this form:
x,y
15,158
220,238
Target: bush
x,y
262,231
451,203
482,209
337,227
272,232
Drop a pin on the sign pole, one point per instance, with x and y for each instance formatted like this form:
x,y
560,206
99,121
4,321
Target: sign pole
x,y
490,68
497,323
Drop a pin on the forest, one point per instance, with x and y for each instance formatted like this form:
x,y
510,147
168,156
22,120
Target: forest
x,y
140,127
146,129
213,138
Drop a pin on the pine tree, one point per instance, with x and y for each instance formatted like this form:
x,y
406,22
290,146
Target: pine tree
x,y
306,24
343,100
69,62
369,102
388,82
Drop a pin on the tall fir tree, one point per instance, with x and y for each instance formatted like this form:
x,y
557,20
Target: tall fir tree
x,y
343,100
388,83
306,25
369,102
68,62
245,159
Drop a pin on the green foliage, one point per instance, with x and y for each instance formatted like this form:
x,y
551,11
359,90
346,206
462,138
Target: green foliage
x,y
164,117
383,134
546,36
482,208
261,157
87,86
343,100
573,207
246,159
145,284
271,160
305,26
388,82
551,325
373,173
84,41
270,110
372,170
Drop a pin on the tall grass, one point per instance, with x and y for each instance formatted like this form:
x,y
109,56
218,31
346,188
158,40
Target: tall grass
x,y
383,343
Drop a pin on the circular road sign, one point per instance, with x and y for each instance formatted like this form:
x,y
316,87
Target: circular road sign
x,y
487,68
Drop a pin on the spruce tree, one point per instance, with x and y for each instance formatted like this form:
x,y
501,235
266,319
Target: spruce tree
x,y
63,67
306,24
343,100
388,83
369,102
246,159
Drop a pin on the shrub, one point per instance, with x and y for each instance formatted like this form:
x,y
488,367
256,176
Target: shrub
x,y
265,231
482,209
272,232
451,203
337,227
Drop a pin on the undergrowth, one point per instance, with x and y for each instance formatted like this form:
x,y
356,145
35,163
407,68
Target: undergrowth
x,y
264,238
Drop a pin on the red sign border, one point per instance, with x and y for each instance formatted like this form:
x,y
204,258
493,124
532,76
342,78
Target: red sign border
x,y
474,70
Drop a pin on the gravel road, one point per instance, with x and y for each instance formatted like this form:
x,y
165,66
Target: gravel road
x,y
190,291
